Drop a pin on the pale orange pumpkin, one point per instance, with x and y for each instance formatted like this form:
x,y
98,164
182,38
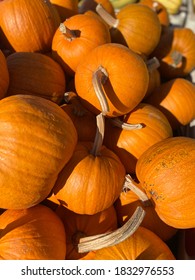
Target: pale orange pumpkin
x,y
37,139
36,233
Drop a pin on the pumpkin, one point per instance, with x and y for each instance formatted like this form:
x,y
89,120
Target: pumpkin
x,y
127,203
90,5
34,30
166,173
160,10
129,144
36,233
37,139
66,8
75,38
135,26
123,84
78,226
142,245
176,99
92,179
83,120
176,52
36,74
4,80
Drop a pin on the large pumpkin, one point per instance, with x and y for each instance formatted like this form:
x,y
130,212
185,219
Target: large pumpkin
x,y
36,233
166,173
37,139
142,245
34,30
36,74
120,74
4,80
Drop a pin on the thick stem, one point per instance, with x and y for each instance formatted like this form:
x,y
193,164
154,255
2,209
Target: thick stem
x,y
99,137
68,34
99,78
156,7
131,185
100,241
126,126
108,18
152,64
177,58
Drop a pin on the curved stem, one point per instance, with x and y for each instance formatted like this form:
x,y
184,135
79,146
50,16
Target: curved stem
x,y
126,126
99,137
100,241
69,34
152,64
130,185
177,58
108,18
99,78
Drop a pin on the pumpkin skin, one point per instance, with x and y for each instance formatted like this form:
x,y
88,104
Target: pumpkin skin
x,y
87,32
33,32
176,52
142,245
138,28
65,8
166,173
90,183
36,233
90,5
176,99
4,80
34,74
127,203
39,140
123,92
77,226
130,144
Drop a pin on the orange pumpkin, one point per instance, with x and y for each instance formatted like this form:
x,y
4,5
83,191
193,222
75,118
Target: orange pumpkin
x,y
66,8
129,144
176,52
35,73
90,5
126,205
176,99
136,26
75,38
39,140
36,233
166,173
4,80
34,30
78,226
122,86
142,245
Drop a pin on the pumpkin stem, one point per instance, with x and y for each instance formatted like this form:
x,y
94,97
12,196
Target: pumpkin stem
x,y
177,58
129,184
100,120
126,126
99,241
152,64
69,34
156,7
108,18
99,78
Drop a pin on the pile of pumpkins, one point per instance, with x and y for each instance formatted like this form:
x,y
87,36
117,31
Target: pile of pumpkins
x,y
92,101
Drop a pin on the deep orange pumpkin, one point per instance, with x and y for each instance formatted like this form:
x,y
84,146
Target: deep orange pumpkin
x,y
4,74
37,139
36,233
34,30
166,173
66,8
36,74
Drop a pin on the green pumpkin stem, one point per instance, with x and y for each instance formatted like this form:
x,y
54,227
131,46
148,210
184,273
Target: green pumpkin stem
x,y
96,242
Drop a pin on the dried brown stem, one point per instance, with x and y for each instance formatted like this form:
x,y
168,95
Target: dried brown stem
x,y
68,34
100,241
108,18
152,64
177,58
99,137
126,126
